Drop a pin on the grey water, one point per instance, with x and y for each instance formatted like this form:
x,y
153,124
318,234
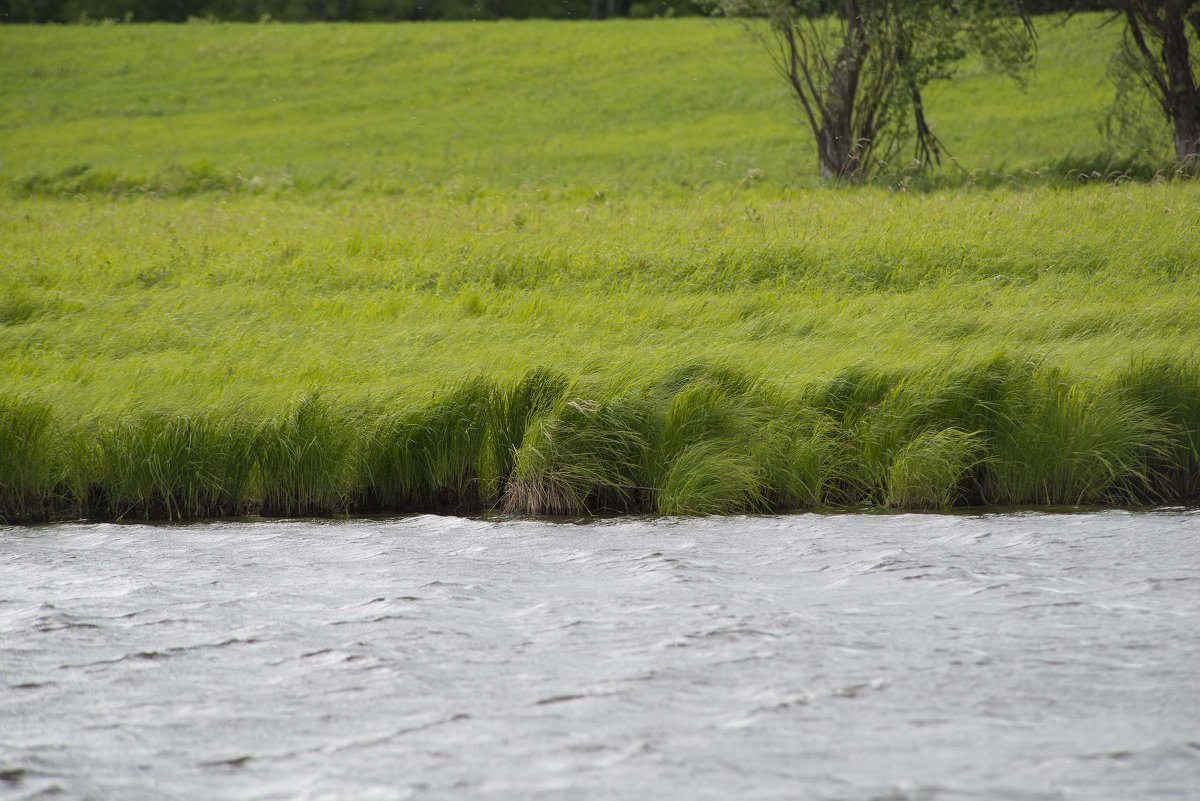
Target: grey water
x,y
1003,656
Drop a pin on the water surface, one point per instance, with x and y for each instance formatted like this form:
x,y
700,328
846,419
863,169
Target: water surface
x,y
1023,656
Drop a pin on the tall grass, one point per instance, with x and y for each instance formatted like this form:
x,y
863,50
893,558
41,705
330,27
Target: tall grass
x,y
1064,442
928,472
1169,389
698,440
162,465
514,406
582,457
430,458
185,303
305,458
28,447
477,221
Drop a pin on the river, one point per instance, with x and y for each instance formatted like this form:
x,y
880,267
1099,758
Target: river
x,y
861,657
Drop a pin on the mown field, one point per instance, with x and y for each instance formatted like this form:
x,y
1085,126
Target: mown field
x,y
214,232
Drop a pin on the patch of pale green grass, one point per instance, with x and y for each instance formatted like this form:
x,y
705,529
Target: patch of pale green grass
x,y
192,303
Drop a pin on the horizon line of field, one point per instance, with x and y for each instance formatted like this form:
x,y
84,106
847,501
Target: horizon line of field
x,y
699,440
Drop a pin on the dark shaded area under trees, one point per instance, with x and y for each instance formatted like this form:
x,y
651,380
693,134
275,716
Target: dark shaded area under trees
x,y
381,10
333,10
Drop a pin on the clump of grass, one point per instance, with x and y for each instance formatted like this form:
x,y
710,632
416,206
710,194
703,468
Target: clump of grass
x,y
304,458
700,456
807,464
513,406
429,459
928,472
582,457
27,465
851,393
176,180
1064,442
1170,389
862,416
685,413
164,466
711,478
916,419
696,441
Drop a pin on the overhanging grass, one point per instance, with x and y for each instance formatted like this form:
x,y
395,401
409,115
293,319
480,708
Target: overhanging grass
x,y
697,441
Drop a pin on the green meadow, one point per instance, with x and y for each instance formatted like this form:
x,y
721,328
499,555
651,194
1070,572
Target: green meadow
x,y
566,268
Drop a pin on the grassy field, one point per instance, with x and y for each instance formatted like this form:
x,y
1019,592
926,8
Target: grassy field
x,y
264,268
616,106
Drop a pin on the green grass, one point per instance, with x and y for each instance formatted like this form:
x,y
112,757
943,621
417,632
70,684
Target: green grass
x,y
617,105
192,303
326,268
700,440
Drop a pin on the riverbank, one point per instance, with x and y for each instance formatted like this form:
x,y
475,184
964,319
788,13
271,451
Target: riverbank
x,y
695,441
305,270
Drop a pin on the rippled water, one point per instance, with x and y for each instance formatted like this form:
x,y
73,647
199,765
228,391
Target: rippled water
x,y
1026,656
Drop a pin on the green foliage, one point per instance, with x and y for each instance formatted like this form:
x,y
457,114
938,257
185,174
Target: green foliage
x,y
710,478
512,408
1170,390
1062,442
702,455
817,465
698,441
642,232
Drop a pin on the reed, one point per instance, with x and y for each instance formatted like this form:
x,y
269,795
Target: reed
x,y
429,459
28,448
700,440
305,458
162,466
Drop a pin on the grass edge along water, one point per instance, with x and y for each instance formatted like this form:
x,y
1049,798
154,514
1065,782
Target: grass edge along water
x,y
701,439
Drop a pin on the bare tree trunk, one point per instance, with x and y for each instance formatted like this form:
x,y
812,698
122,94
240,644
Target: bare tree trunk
x,y
833,154
1187,134
1168,70
1183,96
837,148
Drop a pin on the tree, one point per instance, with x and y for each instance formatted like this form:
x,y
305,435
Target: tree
x,y
1157,56
857,68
